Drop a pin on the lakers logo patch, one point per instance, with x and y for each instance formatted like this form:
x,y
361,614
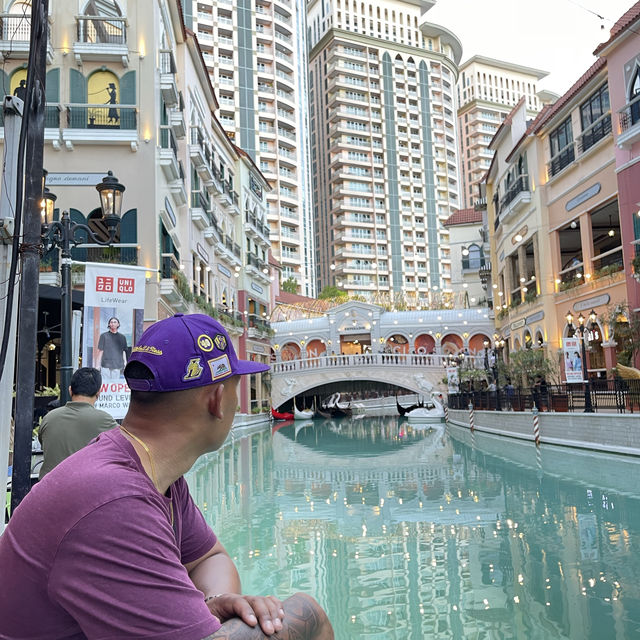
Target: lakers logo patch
x,y
193,371
220,367
220,341
205,342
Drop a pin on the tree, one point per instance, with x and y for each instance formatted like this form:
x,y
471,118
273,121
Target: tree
x,y
290,285
624,328
527,364
332,292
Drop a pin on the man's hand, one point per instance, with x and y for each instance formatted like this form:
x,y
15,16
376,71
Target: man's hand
x,y
265,610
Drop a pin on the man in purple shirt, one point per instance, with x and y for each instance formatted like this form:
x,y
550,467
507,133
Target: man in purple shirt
x,y
111,545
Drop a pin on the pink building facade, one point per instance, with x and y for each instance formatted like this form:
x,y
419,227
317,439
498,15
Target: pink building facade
x,y
622,53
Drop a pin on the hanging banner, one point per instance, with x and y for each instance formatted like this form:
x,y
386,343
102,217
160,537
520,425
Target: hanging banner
x,y
453,381
113,317
572,360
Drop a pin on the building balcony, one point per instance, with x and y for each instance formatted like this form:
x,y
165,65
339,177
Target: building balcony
x,y
515,199
629,124
168,86
168,154
101,38
177,123
200,218
15,36
212,233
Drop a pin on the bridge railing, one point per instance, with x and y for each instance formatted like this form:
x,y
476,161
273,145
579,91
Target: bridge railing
x,y
419,361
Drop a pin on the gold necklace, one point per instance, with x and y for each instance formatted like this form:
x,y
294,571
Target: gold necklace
x,y
152,464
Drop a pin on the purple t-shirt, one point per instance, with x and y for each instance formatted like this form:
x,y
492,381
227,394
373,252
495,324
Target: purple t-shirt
x,y
91,553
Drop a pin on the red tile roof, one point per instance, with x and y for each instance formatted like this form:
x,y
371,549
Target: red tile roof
x,y
464,216
285,297
625,21
561,102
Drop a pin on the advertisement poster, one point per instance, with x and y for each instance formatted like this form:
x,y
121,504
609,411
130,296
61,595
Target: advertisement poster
x,y
452,379
571,355
113,316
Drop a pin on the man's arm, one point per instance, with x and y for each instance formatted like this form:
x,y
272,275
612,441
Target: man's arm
x,y
98,358
304,619
214,572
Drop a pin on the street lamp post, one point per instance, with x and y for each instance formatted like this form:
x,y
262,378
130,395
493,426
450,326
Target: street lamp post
x,y
582,330
62,234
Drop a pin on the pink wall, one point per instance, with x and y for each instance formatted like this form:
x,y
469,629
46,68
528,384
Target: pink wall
x,y
625,53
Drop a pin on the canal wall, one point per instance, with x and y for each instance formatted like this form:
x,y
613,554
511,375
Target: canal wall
x,y
605,470
613,433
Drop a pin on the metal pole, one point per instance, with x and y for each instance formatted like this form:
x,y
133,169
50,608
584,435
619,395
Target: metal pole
x,y
30,263
588,407
12,109
66,368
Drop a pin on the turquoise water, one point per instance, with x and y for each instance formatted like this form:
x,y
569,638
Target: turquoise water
x,y
412,534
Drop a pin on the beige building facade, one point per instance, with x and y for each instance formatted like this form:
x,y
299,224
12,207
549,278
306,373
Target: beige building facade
x,y
487,91
127,90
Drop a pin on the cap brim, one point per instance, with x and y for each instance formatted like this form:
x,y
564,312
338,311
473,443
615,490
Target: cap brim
x,y
244,367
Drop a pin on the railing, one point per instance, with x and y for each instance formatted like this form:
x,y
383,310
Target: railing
x,y
167,62
101,30
101,116
562,159
433,361
629,115
594,132
521,184
168,139
15,26
51,116
619,395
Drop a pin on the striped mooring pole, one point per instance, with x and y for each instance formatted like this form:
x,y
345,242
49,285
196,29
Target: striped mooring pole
x,y
446,414
472,425
536,426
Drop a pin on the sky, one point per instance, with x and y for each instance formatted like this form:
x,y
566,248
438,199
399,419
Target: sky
x,y
557,36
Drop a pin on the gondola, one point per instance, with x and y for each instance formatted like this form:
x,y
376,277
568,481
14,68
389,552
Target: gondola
x,y
404,410
281,415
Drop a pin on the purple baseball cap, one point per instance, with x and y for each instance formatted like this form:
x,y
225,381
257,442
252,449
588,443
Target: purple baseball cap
x,y
187,351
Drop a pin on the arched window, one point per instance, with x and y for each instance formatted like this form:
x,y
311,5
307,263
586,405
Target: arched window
x,y
105,25
475,258
634,92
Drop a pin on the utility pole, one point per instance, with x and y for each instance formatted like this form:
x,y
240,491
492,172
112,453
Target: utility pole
x,y
12,110
30,251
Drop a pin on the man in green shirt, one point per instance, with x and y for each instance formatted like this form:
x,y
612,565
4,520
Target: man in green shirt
x,y
67,429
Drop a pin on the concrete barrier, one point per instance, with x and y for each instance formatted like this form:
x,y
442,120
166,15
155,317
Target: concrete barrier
x,y
614,433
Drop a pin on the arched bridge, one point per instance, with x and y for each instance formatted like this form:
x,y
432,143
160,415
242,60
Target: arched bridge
x,y
418,373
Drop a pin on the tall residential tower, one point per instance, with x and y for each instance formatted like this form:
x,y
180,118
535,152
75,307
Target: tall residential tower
x,y
255,53
383,145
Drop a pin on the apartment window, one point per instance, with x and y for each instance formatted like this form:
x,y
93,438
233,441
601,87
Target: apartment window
x,y
562,148
595,118
474,259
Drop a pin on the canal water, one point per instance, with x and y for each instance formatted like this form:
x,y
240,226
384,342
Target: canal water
x,y
405,533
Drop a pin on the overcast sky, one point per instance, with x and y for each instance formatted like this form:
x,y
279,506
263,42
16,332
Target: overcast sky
x,y
557,36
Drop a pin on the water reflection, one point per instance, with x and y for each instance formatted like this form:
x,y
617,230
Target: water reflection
x,y
405,533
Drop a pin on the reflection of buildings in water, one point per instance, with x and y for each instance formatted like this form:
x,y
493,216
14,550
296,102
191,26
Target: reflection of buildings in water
x,y
426,529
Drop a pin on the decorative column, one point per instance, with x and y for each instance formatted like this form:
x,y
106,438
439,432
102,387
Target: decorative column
x,y
586,239
610,355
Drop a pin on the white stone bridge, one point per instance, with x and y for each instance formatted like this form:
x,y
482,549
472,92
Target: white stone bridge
x,y
418,373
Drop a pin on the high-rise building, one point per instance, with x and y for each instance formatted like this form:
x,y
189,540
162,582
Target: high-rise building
x,y
487,91
383,146
255,54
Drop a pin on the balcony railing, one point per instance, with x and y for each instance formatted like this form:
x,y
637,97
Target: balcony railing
x,y
101,116
629,115
594,133
101,30
15,27
562,159
521,184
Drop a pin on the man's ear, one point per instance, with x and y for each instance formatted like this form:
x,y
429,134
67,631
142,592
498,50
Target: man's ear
x,y
70,392
215,400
